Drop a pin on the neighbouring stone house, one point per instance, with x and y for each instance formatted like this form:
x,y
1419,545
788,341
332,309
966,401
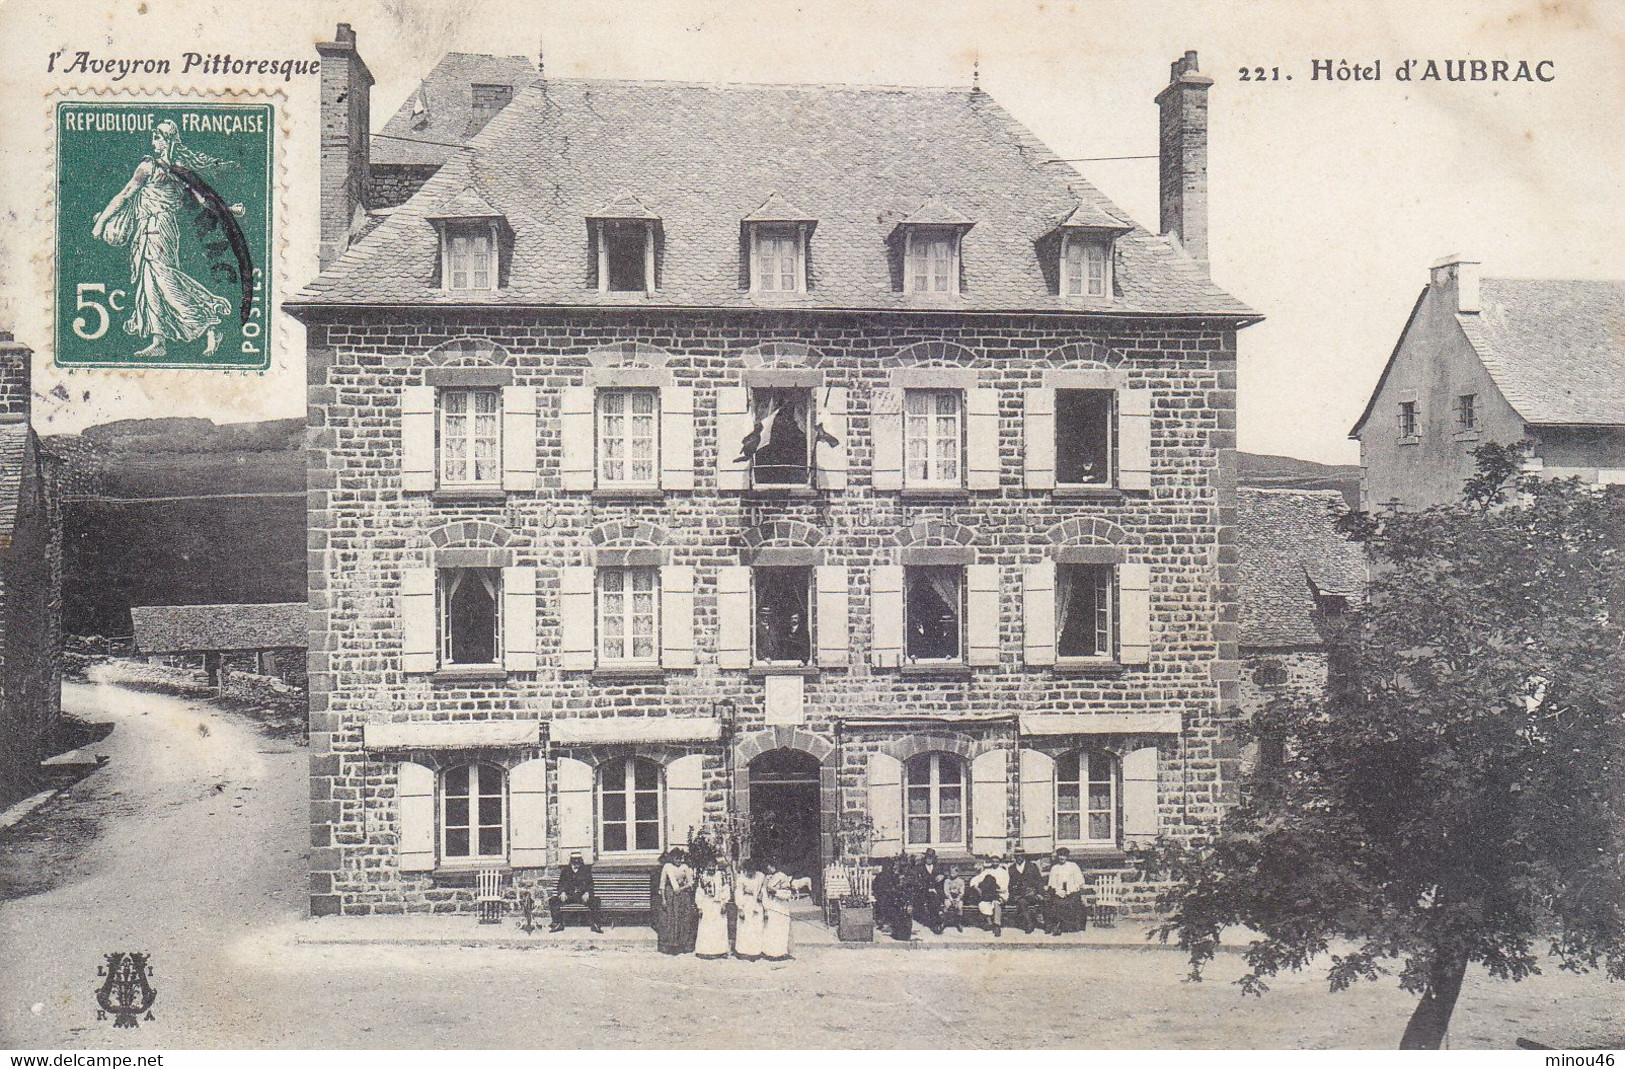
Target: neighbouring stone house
x,y
30,583
791,455
265,639
1496,360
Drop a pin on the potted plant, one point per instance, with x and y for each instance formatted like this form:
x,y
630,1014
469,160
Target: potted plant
x,y
855,914
855,922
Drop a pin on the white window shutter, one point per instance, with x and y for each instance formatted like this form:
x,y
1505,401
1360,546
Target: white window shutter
x,y
733,426
886,804
831,401
677,616
830,615
417,438
1134,439
886,430
1037,802
733,617
578,437
519,619
575,808
1140,795
886,616
982,439
577,639
419,633
527,814
1038,440
518,438
982,614
685,799
1134,609
1038,613
989,803
414,793
677,437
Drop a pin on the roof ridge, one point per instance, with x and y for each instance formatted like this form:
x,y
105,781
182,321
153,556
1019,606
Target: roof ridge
x,y
679,83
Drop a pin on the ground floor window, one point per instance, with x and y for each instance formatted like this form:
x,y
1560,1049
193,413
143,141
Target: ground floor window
x,y
629,804
935,800
1086,798
473,813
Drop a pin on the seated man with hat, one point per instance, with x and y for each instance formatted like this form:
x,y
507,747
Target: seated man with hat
x,y
574,887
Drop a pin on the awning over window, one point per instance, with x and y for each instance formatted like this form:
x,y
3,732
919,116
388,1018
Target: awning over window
x,y
1101,724
461,736
636,729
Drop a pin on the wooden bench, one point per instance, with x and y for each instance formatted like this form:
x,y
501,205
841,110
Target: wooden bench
x,y
621,892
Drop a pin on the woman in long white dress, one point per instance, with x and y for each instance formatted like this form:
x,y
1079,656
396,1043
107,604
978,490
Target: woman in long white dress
x,y
712,897
776,895
748,903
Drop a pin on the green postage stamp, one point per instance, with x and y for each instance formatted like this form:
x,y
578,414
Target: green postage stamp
x,y
163,234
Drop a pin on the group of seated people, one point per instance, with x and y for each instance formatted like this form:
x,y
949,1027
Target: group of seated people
x,y
920,890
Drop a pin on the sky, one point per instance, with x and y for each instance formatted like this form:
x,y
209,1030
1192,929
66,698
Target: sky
x,y
1328,199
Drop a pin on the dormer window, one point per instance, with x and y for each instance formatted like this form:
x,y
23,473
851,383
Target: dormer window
x,y
774,241
626,240
471,233
1087,236
932,242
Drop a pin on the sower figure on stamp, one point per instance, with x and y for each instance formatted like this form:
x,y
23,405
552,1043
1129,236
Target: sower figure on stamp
x,y
574,888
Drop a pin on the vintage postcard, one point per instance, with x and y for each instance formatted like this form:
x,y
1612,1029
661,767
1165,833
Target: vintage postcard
x,y
811,526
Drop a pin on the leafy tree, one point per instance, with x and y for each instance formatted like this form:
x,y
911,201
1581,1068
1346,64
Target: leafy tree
x,y
1455,795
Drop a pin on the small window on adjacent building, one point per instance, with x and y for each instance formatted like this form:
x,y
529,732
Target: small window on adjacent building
x,y
779,445
473,814
1407,419
783,615
933,437
933,261
1086,798
471,256
1083,610
625,256
1085,266
1083,437
628,616
628,438
629,818
470,437
1466,412
933,608
777,258
934,800
470,615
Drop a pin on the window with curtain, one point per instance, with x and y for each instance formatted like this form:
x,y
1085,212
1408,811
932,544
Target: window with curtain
x,y
629,806
1086,798
779,445
933,611
933,264
470,615
933,437
1083,610
935,786
628,616
628,435
471,252
783,615
778,256
470,437
473,813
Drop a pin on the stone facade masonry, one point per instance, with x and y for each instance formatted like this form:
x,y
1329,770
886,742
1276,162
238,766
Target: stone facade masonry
x,y
364,530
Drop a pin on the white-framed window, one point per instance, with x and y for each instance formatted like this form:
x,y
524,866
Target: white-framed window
x,y
473,813
1084,425
471,256
1407,419
783,615
933,260
470,616
629,616
1084,611
629,438
630,806
1085,266
933,437
779,445
1467,411
934,613
935,790
1086,798
778,263
626,256
470,437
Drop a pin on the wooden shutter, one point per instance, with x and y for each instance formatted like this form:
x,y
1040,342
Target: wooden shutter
x,y
989,803
519,438
886,615
527,814
1037,802
417,438
886,430
575,808
1038,613
419,633
519,619
1134,608
677,437
1140,795
577,640
830,615
1038,439
578,437
685,799
733,425
733,617
982,614
886,804
1134,439
677,616
982,439
831,414
414,792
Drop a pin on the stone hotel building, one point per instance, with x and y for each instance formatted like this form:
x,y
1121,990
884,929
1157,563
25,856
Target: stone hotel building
x,y
829,462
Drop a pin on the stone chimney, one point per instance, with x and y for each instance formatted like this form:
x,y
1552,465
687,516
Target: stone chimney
x,y
1455,280
1182,150
16,379
346,114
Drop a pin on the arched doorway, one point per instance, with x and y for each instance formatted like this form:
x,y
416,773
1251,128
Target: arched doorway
x,y
784,810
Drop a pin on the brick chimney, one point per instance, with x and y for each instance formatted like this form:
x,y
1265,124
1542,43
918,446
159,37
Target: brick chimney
x,y
16,379
1182,151
346,112
1455,279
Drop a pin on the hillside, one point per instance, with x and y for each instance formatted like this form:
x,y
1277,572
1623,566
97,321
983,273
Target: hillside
x,y
1290,473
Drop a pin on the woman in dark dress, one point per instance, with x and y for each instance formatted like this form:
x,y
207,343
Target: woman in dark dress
x,y
678,921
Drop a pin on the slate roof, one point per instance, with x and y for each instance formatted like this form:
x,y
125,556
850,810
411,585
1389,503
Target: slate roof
x,y
448,96
210,628
703,157
1291,551
13,456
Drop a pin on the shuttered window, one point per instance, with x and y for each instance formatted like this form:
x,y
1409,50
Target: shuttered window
x,y
783,617
933,437
628,437
470,615
473,813
629,806
1083,611
1083,437
628,616
934,800
1086,798
933,606
470,437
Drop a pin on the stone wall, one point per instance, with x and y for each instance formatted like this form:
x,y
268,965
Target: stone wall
x,y
31,641
390,185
